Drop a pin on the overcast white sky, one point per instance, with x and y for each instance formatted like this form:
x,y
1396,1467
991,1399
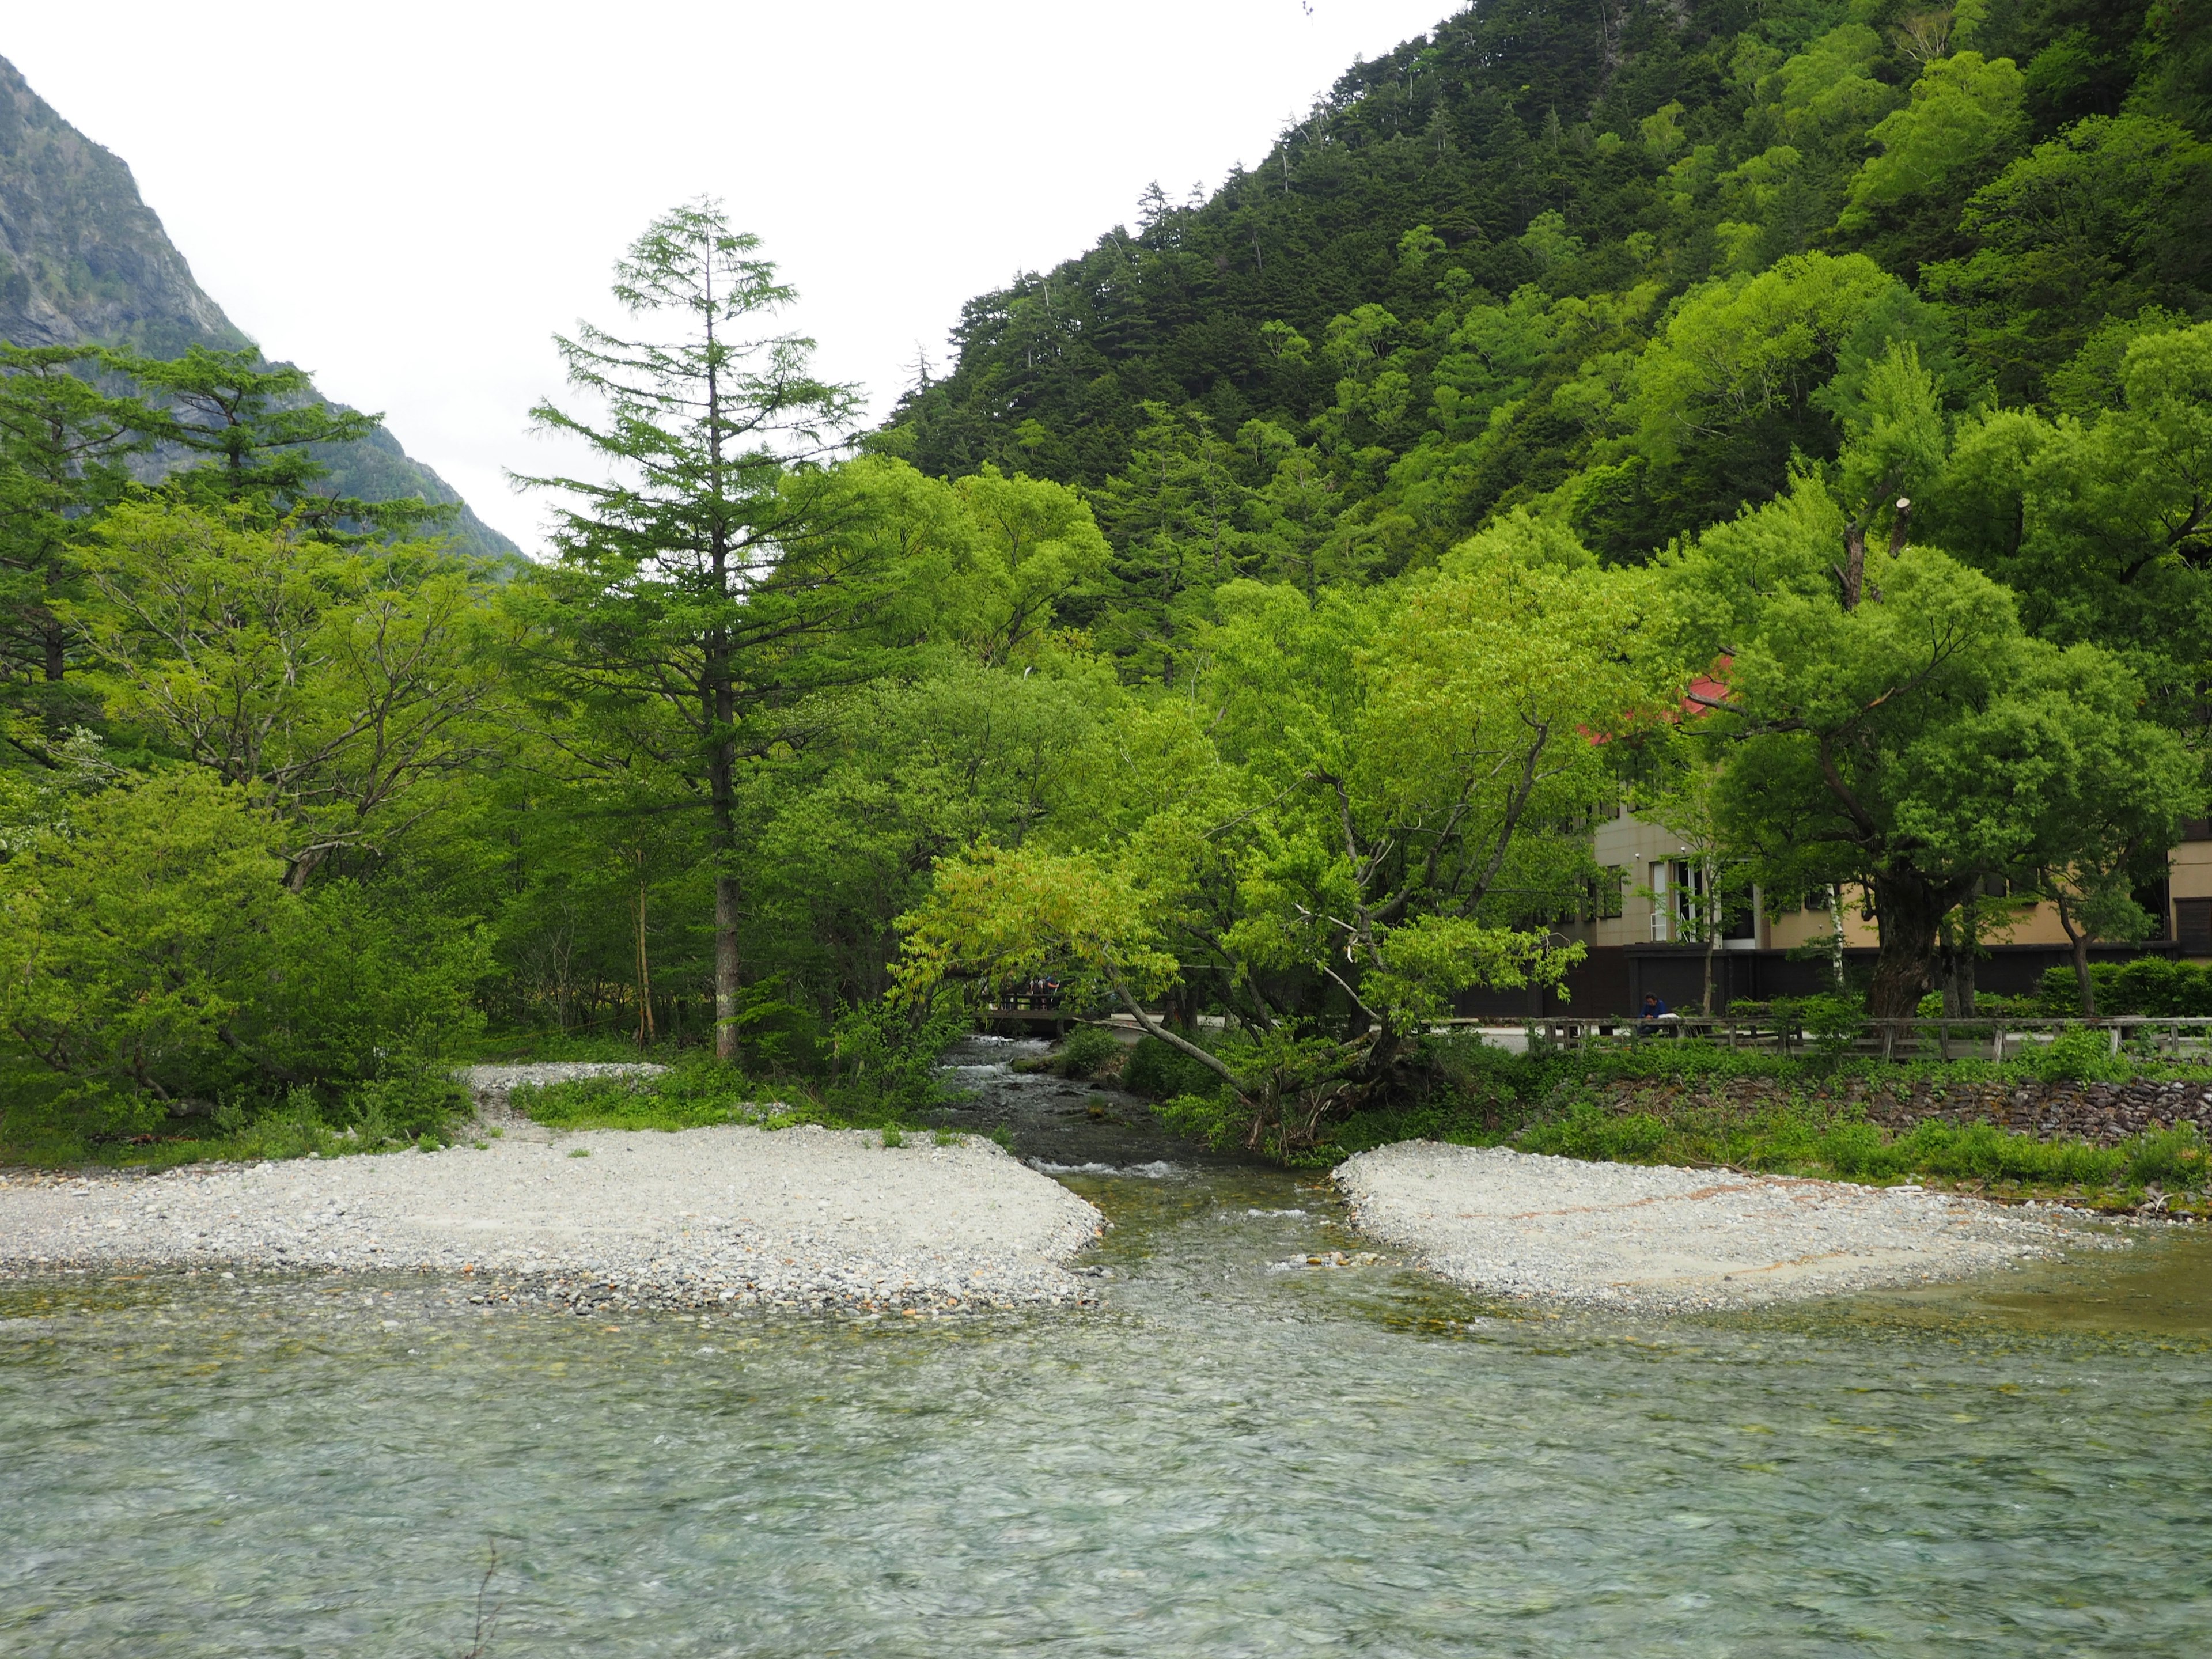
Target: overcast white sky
x,y
407,198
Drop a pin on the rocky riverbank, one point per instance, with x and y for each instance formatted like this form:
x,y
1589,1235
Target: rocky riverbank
x,y
726,1217
1556,1229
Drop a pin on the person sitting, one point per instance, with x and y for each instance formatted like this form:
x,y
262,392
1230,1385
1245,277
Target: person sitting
x,y
1655,1009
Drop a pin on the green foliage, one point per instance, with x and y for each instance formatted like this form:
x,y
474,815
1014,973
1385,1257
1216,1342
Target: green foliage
x,y
1916,739
344,691
2098,222
1159,1073
886,1055
693,1094
2147,985
151,954
1091,1050
131,944
2079,1056
1588,1132
1228,632
1817,1137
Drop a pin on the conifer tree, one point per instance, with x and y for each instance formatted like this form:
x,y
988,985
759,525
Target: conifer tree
x,y
65,442
257,424
695,574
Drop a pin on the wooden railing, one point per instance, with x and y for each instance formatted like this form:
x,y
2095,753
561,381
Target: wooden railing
x,y
1987,1036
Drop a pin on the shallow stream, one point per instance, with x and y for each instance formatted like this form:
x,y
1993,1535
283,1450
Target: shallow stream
x,y
1242,1453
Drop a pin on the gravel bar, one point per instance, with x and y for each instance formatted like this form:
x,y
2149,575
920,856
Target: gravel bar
x,y
1559,1229
727,1217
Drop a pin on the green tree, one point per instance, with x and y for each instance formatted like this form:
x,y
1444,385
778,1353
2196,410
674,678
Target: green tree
x,y
1967,118
1912,739
1732,387
2101,220
65,445
1366,805
344,690
1176,518
2102,519
130,943
695,575
257,424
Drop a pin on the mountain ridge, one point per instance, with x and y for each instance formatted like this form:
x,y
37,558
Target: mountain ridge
x,y
84,259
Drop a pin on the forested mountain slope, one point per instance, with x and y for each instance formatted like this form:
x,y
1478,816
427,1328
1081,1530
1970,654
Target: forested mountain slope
x,y
1622,261
84,259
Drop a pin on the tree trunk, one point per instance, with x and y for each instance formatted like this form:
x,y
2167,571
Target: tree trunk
x,y
2079,941
644,968
726,963
1909,909
1712,932
722,764
1955,960
1854,570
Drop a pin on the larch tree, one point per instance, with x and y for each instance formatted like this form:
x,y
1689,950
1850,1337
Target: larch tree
x,y
256,426
697,573
65,446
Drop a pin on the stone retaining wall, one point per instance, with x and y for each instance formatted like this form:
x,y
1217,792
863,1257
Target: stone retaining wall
x,y
2104,1113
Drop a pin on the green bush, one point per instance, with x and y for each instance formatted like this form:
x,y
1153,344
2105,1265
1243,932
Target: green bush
x,y
1157,1072
1589,1132
2170,1157
2146,985
884,1059
1220,1119
2079,1055
1988,1005
777,1037
154,954
1089,1050
697,1091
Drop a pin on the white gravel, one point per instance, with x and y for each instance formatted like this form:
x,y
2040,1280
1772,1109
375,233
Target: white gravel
x,y
1557,1229
724,1217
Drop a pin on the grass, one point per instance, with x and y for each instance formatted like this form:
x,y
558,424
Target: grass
x,y
45,1124
697,1092
1808,1125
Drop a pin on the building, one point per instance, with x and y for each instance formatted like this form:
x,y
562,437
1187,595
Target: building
x,y
1639,928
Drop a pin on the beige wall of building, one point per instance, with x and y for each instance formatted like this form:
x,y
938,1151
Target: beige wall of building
x,y
1643,866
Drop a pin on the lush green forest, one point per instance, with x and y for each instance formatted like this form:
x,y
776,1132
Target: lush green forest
x,y
1253,621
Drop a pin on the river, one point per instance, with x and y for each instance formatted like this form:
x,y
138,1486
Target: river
x,y
1240,1454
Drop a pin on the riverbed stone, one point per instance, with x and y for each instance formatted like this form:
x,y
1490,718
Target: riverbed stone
x,y
1617,1235
722,1217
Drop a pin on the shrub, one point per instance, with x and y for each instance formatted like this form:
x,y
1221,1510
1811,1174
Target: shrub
x,y
697,1091
1158,1071
412,1096
2170,1157
885,1057
2146,985
1589,1132
2081,1055
1089,1051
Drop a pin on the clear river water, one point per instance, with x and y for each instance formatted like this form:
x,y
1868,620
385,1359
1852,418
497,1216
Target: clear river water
x,y
1240,1454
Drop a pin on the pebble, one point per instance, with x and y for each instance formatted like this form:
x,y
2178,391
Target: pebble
x,y
724,1217
1558,1229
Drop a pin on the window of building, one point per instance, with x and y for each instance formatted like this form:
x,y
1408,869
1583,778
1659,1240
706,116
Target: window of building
x,y
1601,892
2192,925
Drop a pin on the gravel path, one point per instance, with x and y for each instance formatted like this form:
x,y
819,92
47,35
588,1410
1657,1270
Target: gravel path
x,y
724,1217
1558,1229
